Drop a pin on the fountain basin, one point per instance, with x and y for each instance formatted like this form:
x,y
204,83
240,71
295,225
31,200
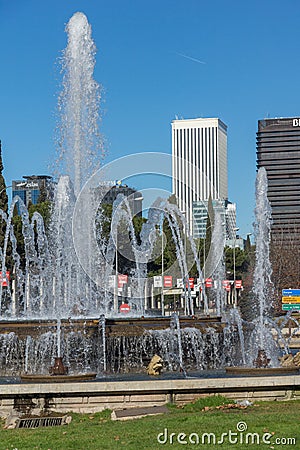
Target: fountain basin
x,y
36,378
262,371
129,326
113,345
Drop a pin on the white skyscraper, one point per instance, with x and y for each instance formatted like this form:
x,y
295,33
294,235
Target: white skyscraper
x,y
199,162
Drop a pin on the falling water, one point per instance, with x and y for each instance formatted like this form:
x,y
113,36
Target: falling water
x,y
103,337
237,320
58,337
175,324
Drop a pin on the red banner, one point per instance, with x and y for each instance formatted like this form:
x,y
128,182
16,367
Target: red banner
x,y
208,282
226,285
238,284
122,279
6,279
191,283
168,281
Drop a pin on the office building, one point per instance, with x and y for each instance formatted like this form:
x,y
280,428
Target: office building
x,y
227,211
30,188
199,162
278,150
107,192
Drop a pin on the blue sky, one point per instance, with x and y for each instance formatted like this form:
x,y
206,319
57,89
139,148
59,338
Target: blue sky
x,y
249,61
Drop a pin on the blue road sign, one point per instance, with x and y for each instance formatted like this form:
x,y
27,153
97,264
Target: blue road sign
x,y
292,292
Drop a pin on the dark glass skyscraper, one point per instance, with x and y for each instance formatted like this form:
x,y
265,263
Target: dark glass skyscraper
x,y
278,150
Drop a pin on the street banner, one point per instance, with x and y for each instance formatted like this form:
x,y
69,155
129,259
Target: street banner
x,y
226,285
122,279
157,281
179,283
190,283
208,282
168,281
238,284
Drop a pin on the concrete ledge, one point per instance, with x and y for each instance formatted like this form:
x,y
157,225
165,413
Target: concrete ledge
x,y
157,385
95,396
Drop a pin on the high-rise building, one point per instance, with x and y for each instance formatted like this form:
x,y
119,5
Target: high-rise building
x,y
199,162
278,150
29,189
108,192
227,211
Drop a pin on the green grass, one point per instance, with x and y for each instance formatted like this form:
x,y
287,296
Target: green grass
x,y
98,432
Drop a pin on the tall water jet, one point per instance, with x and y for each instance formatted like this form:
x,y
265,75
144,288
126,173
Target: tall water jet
x,y
262,284
80,147
218,263
79,138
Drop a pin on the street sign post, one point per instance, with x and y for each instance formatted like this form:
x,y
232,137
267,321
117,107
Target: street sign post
x,y
290,299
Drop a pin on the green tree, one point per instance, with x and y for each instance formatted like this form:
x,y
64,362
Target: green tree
x,y
4,207
44,209
17,225
125,255
43,196
241,262
3,193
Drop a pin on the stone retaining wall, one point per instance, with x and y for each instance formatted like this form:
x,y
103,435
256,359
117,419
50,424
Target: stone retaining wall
x,y
90,397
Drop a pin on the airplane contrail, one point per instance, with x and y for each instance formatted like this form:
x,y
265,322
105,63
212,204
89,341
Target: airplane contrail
x,y
190,57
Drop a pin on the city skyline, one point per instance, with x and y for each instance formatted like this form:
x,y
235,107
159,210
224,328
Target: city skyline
x,y
155,64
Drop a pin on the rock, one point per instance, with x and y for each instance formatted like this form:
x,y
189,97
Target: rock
x,y
244,403
11,420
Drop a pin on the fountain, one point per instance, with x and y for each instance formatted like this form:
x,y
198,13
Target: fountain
x,y
67,321
262,350
62,320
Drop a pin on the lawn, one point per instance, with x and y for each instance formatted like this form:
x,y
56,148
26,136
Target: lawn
x,y
203,424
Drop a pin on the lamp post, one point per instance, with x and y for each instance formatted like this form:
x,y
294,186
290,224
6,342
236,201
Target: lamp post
x,y
186,275
234,243
116,296
162,270
116,300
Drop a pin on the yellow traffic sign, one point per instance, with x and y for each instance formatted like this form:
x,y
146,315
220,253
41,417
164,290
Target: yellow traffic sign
x,y
291,299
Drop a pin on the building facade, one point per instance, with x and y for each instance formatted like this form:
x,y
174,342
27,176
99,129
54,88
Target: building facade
x,y
30,188
278,150
108,192
227,211
199,162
